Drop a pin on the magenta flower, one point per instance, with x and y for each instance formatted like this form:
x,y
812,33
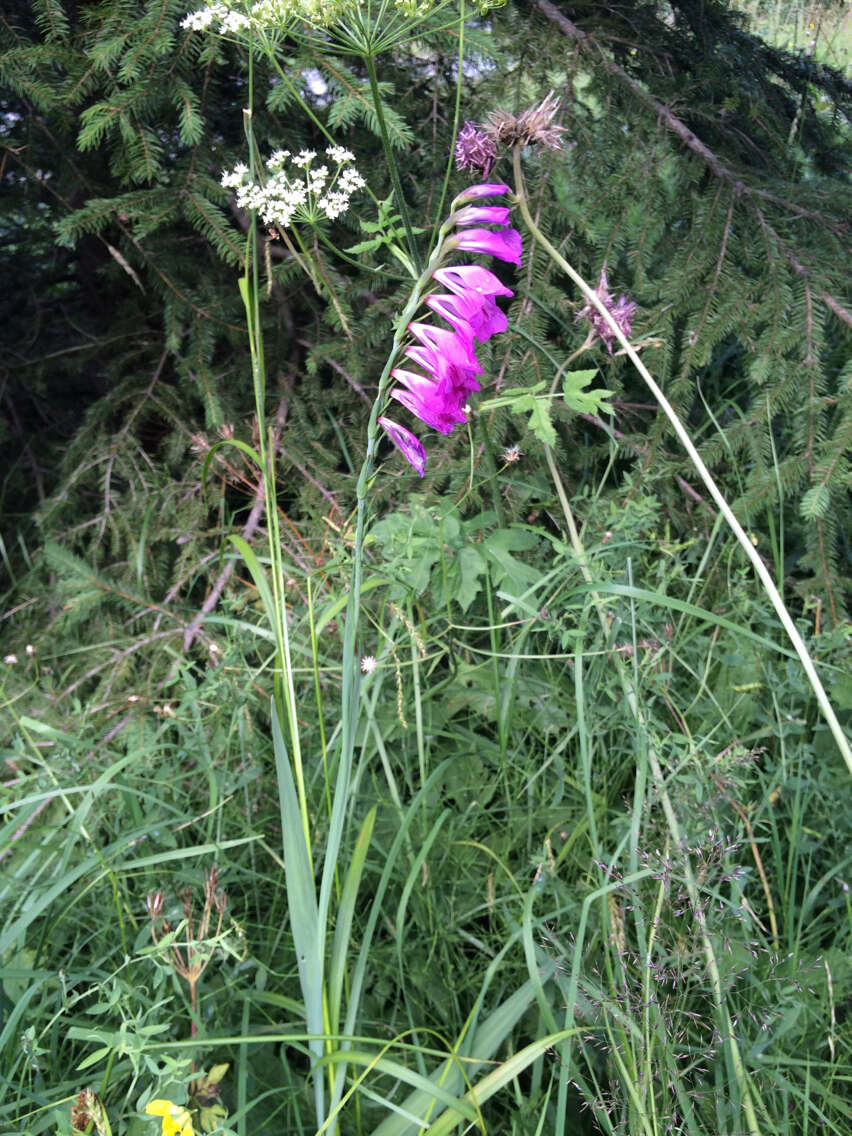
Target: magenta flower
x,y
474,150
474,192
443,352
622,313
439,397
439,404
441,370
483,215
505,245
470,314
466,278
408,445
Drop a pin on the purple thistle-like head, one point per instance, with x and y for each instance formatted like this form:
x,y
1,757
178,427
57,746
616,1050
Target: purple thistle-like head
x,y
474,150
408,445
621,312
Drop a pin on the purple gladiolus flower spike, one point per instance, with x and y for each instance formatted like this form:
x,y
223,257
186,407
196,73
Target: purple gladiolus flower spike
x,y
439,396
465,278
470,313
443,349
505,245
408,445
438,404
483,215
460,378
473,192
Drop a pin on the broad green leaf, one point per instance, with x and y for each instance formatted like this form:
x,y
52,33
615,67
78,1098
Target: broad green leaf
x,y
577,395
499,547
301,899
471,567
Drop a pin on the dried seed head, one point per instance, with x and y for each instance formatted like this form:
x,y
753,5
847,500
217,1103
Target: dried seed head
x,y
154,903
213,897
87,1111
532,127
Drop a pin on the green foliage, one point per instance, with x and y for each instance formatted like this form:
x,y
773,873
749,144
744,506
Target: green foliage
x,y
487,915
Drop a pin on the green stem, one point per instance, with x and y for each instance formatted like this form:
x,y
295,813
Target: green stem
x,y
456,111
350,684
391,161
250,292
703,472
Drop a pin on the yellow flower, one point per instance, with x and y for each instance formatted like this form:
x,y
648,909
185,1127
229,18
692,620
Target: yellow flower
x,y
176,1119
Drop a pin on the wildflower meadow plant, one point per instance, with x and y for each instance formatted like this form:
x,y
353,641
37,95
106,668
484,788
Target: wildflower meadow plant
x,y
462,300
174,1118
297,189
447,355
329,905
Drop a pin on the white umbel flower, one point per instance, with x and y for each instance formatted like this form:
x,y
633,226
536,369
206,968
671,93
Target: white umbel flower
x,y
296,190
233,17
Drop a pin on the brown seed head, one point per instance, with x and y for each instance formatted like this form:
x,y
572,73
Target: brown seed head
x,y
87,1111
532,127
154,903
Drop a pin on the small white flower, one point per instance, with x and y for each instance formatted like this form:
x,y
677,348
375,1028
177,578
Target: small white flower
x,y
10,660
234,22
198,21
235,177
340,155
368,664
296,191
512,454
29,650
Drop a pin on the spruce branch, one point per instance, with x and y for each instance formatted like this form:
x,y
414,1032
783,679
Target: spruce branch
x,y
690,139
760,568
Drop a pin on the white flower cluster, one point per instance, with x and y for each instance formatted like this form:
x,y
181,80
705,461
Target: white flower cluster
x,y
307,193
230,20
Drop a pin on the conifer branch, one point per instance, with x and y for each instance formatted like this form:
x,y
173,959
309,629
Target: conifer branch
x,y
667,116
704,473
